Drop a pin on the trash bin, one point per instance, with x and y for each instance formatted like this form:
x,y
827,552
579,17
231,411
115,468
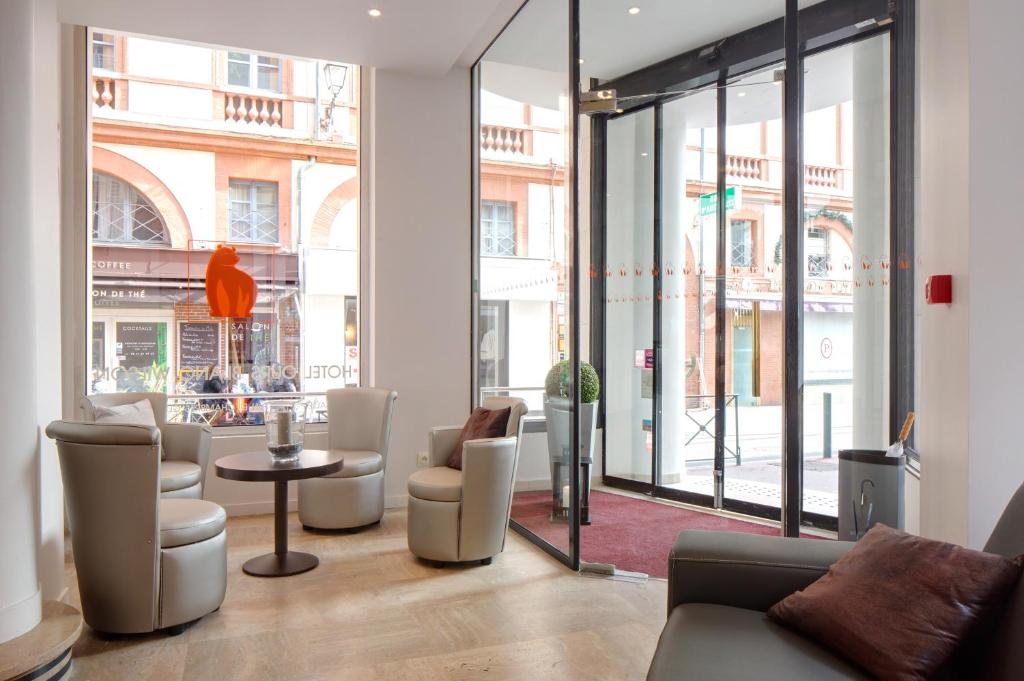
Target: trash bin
x,y
870,491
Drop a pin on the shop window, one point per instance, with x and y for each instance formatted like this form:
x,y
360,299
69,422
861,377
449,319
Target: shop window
x,y
152,325
254,71
253,212
120,214
104,51
742,245
497,228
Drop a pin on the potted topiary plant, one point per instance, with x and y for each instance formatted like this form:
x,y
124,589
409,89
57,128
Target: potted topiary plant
x,y
558,413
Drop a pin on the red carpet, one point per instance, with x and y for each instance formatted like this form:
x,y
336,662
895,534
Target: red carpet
x,y
632,534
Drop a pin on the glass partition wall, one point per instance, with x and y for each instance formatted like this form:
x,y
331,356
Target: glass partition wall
x,y
749,304
524,288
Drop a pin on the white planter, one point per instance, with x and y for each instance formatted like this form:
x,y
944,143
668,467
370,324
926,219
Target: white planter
x,y
558,412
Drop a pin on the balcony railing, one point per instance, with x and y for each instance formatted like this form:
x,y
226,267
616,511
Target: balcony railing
x,y
506,140
751,168
823,177
261,110
104,92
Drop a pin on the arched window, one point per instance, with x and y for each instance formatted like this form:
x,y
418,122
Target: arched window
x,y
120,214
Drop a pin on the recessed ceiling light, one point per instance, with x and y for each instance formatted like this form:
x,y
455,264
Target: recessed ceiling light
x,y
374,12
643,153
741,94
619,110
581,60
633,10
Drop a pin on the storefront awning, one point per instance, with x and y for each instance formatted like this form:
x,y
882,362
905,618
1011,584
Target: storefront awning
x,y
167,264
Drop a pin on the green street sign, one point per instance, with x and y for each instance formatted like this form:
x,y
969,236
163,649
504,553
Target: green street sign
x,y
708,202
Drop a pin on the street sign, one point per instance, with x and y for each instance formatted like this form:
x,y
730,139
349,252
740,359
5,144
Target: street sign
x,y
709,202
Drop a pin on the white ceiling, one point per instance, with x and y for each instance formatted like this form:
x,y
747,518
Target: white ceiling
x,y
425,37
614,42
529,60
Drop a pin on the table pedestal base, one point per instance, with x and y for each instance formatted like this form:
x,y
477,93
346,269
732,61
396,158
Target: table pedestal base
x,y
280,565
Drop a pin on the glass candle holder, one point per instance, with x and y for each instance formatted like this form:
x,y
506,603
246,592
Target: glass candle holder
x,y
286,426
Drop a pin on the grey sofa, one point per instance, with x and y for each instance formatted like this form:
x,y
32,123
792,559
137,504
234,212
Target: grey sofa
x,y
721,584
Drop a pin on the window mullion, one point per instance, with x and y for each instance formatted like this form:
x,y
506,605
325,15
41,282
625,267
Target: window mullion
x,y
251,217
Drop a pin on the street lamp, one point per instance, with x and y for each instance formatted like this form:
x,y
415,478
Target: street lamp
x,y
334,76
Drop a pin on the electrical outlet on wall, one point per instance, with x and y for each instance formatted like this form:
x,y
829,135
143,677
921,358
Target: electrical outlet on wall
x,y
422,459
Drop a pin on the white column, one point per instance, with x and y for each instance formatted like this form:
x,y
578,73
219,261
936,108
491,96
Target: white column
x,y
19,472
870,245
676,220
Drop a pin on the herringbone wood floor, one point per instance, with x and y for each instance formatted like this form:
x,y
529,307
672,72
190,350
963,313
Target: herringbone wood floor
x,y
371,611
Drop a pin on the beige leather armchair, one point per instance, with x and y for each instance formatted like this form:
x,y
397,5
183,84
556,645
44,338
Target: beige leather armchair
x,y
359,424
185,447
457,516
143,562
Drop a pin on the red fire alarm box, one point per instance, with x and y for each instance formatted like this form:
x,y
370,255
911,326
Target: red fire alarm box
x,y
939,289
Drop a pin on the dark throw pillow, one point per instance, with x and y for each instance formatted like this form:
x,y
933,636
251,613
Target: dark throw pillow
x,y
898,605
482,423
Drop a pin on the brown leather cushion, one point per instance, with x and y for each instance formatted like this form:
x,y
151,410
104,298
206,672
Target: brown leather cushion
x,y
482,424
899,605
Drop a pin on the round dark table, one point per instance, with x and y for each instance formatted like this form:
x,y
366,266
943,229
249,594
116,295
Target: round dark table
x,y
259,467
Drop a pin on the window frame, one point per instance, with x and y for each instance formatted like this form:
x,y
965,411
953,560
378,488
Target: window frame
x,y
76,242
254,65
748,243
131,201
112,43
489,220
253,208
820,259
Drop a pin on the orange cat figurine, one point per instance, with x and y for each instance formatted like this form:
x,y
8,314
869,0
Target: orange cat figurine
x,y
229,291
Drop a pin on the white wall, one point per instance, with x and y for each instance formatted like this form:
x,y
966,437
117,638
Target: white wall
x,y
31,521
969,363
47,296
19,489
170,61
189,175
942,247
530,343
996,366
421,257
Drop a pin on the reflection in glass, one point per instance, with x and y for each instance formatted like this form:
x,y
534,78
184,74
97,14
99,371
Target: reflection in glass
x,y
753,291
524,241
160,211
847,284
629,297
689,257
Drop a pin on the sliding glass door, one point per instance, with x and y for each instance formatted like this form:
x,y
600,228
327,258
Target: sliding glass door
x,y
700,285
630,293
